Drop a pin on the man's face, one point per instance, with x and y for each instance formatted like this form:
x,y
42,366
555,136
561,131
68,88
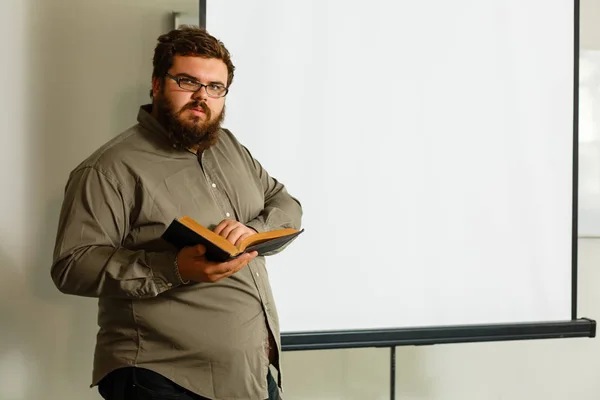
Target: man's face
x,y
192,119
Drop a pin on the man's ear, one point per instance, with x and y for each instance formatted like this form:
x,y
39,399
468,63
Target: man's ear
x,y
156,82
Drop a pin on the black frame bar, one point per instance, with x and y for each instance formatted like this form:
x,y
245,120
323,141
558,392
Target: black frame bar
x,y
202,13
575,229
437,335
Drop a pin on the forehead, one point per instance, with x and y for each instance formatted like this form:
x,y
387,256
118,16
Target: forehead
x,y
204,69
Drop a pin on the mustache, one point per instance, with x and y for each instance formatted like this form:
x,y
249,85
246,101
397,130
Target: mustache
x,y
197,104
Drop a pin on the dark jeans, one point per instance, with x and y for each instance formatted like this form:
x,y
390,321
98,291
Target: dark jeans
x,y
142,384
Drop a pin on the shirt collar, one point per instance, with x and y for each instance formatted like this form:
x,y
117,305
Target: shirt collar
x,y
151,124
148,122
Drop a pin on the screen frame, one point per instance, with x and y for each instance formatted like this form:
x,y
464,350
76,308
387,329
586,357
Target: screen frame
x,y
582,327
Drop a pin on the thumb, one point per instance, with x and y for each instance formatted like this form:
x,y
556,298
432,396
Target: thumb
x,y
200,250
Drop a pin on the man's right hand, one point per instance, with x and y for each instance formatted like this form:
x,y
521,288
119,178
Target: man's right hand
x,y
193,266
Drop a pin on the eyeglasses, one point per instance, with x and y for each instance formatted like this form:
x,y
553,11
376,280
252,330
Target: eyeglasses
x,y
212,89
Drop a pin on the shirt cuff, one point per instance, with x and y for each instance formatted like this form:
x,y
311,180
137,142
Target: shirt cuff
x,y
165,271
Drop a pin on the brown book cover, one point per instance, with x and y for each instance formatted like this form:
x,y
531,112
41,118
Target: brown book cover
x,y
184,232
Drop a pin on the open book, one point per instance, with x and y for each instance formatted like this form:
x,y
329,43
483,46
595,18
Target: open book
x,y
184,232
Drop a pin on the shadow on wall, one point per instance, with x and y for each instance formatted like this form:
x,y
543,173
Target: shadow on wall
x,y
88,69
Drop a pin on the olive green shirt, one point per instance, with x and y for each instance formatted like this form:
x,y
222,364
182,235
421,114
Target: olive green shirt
x,y
210,338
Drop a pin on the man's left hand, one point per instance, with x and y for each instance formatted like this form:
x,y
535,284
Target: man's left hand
x,y
233,231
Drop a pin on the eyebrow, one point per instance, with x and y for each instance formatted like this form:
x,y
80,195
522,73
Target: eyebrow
x,y
183,74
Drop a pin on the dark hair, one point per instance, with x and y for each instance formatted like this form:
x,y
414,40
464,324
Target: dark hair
x,y
189,40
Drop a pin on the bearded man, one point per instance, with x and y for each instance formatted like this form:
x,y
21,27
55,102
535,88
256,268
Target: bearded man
x,y
172,324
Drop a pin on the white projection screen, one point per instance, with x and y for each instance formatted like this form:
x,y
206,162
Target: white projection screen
x,y
431,146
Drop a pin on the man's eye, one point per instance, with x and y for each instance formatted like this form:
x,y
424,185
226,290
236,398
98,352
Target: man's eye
x,y
186,81
216,87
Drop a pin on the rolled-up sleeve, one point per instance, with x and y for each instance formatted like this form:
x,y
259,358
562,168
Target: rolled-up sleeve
x,y
89,259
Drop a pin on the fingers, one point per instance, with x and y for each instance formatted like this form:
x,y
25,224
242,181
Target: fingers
x,y
239,240
226,269
235,265
200,250
233,231
199,269
222,225
193,251
238,234
230,231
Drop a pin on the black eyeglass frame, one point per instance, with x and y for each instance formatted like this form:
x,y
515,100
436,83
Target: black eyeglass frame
x,y
200,86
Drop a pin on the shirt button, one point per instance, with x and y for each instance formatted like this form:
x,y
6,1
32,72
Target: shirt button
x,y
214,185
169,284
257,274
227,214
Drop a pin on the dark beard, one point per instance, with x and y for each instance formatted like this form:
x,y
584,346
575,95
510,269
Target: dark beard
x,y
190,134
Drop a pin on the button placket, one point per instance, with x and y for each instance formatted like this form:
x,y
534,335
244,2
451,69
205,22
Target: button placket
x,y
220,197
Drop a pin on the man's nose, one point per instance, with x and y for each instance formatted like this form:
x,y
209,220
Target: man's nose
x,y
200,93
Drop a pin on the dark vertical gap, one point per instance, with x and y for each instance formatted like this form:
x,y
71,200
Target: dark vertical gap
x,y
393,373
575,184
202,13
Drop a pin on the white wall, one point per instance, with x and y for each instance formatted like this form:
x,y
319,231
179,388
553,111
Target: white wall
x,y
74,73
589,18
